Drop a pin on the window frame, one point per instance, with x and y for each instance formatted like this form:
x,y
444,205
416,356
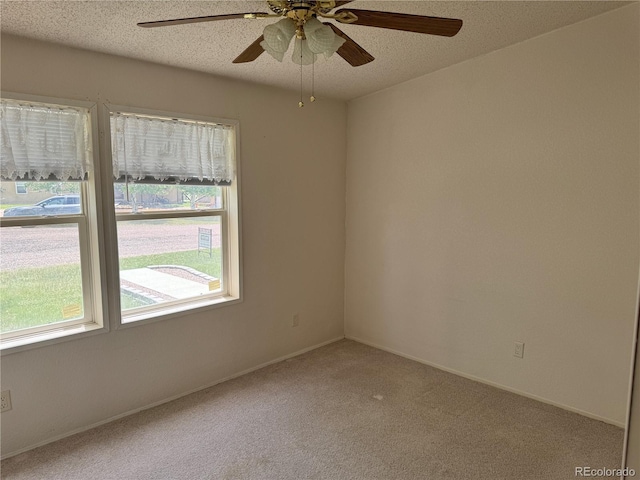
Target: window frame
x,y
90,233
231,237
102,241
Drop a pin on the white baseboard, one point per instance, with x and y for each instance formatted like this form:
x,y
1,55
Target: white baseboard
x,y
488,382
169,399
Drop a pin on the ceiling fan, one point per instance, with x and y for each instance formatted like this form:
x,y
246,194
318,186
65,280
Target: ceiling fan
x,y
315,37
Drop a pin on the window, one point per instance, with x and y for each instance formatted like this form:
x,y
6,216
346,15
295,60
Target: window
x,y
146,231
175,198
48,251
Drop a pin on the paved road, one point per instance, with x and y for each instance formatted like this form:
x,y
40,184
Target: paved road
x,y
40,247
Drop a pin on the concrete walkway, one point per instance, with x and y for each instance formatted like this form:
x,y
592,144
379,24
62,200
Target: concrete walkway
x,y
164,283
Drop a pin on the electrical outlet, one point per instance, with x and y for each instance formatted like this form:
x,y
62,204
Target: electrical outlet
x,y
295,320
518,350
5,401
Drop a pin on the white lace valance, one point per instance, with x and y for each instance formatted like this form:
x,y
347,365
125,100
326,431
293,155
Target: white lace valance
x,y
165,149
41,141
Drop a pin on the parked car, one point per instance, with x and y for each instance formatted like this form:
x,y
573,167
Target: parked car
x,y
58,205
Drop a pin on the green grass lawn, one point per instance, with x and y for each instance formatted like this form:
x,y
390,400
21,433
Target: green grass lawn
x,y
201,262
37,296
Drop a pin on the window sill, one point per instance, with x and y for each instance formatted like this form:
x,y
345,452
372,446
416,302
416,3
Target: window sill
x,y
50,337
175,311
54,336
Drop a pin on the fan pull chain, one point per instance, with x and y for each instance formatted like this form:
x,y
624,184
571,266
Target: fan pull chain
x,y
313,76
301,103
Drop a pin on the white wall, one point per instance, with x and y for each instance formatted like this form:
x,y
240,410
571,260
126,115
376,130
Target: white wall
x,y
293,223
493,201
497,201
633,432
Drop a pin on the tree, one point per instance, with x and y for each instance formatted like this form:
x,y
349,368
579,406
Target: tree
x,y
195,193
137,191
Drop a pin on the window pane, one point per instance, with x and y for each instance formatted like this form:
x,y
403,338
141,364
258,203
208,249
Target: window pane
x,y
40,199
40,276
154,198
170,259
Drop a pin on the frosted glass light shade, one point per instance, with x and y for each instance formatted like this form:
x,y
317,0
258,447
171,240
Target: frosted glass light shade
x,y
337,43
321,38
277,38
301,53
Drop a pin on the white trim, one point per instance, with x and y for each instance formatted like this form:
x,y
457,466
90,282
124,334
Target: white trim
x,y
233,208
93,212
191,307
112,108
110,241
488,382
68,102
51,337
170,399
167,214
40,221
635,354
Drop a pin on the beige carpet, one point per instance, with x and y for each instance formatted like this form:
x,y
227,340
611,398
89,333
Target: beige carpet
x,y
344,411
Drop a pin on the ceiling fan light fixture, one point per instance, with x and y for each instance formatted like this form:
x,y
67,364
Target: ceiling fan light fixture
x,y
300,21
318,39
277,38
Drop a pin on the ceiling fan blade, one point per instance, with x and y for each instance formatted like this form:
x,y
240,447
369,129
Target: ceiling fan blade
x,y
446,27
340,3
211,18
252,52
353,53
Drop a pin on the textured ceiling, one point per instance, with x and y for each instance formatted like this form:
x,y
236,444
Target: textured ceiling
x,y
110,27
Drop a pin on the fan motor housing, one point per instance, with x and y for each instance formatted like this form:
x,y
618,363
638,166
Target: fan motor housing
x,y
302,9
